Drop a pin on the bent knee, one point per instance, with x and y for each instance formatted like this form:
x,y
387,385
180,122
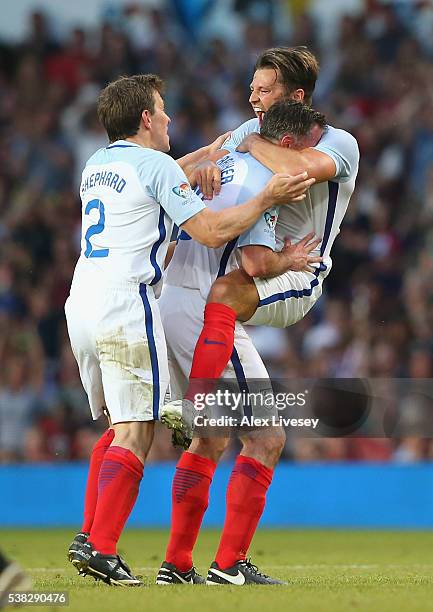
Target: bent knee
x,y
222,291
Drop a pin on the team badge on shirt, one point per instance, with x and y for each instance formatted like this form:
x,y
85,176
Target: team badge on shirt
x,y
271,220
183,190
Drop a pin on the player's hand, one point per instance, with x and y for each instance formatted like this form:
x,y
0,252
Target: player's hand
x,y
208,178
218,142
298,256
285,188
246,144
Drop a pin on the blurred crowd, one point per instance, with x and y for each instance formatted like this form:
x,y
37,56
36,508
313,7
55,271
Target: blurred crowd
x,y
376,316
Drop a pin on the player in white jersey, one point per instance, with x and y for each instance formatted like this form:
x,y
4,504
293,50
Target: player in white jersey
x,y
194,267
188,280
132,193
259,293
286,73
280,73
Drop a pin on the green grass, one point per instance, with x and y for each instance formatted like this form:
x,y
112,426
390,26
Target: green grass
x,y
326,570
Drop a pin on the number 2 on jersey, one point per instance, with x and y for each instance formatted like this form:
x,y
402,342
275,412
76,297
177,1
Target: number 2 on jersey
x,y
95,229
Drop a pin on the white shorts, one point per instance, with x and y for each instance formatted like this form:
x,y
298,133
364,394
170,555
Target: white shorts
x,y
286,299
182,316
118,341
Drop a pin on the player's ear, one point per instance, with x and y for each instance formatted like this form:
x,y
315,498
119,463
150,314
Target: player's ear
x,y
298,95
146,117
287,141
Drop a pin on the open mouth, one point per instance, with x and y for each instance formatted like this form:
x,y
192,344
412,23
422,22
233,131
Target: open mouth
x,y
260,114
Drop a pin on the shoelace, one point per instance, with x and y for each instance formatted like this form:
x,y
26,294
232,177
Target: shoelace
x,y
253,568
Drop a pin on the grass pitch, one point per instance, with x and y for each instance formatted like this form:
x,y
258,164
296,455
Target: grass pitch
x,y
326,570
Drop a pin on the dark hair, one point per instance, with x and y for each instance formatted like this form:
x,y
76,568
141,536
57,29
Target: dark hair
x,y
290,117
297,68
121,103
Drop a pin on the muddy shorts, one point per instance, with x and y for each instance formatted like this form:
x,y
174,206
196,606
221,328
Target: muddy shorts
x,y
118,341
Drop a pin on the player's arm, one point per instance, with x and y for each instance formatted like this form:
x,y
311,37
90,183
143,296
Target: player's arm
x,y
190,161
213,229
279,159
263,262
335,157
164,181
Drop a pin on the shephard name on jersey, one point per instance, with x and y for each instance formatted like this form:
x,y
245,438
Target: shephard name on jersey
x,y
104,178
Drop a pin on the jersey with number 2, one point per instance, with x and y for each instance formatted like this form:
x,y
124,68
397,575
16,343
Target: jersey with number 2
x,y
130,196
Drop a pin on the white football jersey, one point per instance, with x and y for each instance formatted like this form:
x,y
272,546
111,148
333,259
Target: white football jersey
x,y
195,266
325,205
131,196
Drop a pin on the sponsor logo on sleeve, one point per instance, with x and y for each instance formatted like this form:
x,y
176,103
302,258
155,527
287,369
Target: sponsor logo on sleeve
x,y
183,191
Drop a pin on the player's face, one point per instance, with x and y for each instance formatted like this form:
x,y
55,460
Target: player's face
x,y
159,126
265,91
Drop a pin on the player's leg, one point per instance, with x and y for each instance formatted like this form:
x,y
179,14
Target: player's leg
x,y
130,345
118,486
238,291
82,343
246,494
186,305
91,494
277,302
195,468
232,297
119,479
286,299
190,499
250,478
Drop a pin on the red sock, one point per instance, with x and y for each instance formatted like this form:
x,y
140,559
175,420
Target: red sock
x,y
190,498
119,481
91,496
213,349
246,495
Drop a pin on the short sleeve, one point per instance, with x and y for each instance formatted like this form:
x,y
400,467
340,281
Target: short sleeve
x,y
342,147
262,233
167,183
249,127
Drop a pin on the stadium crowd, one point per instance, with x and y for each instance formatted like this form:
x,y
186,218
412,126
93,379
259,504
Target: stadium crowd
x,y
376,317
